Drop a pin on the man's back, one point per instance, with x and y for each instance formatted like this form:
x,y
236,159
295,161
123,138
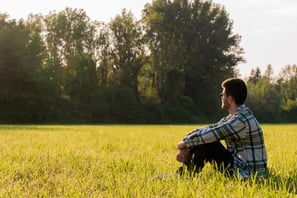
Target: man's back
x,y
248,149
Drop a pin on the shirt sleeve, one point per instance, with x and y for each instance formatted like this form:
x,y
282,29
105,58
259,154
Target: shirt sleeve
x,y
234,127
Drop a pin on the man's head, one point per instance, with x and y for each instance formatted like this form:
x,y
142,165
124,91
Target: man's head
x,y
234,91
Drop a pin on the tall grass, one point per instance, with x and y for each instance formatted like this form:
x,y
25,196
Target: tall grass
x,y
121,161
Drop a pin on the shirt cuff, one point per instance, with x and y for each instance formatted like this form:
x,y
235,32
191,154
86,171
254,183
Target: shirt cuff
x,y
187,142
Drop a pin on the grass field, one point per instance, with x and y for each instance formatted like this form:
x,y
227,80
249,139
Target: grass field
x,y
121,161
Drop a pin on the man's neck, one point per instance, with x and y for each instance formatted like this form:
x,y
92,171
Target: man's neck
x,y
233,109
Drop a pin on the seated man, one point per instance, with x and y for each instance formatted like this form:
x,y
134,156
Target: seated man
x,y
245,154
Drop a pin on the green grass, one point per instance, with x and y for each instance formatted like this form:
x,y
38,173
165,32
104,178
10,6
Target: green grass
x,y
121,161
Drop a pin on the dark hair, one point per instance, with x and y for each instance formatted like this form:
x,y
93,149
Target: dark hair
x,y
235,87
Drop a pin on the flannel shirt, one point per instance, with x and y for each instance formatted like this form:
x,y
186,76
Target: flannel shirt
x,y
244,139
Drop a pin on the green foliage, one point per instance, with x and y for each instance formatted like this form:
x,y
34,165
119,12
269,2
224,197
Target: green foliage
x,y
128,51
290,110
125,106
21,56
290,105
24,93
264,100
165,68
288,77
122,161
80,79
273,100
196,39
174,86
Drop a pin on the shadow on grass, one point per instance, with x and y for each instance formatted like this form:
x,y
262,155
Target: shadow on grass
x,y
280,182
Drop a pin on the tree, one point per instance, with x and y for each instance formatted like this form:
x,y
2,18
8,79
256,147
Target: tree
x,y
103,54
70,37
268,72
70,32
128,52
194,37
255,75
163,21
22,53
81,80
288,89
264,99
21,56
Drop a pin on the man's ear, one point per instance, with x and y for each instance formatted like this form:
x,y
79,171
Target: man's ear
x,y
231,98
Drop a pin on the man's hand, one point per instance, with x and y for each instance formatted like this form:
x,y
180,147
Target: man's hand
x,y
183,154
181,145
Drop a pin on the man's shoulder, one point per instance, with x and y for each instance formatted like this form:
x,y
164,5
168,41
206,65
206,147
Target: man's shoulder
x,y
243,111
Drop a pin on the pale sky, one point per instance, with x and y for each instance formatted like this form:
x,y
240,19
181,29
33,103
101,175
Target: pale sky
x,y
268,27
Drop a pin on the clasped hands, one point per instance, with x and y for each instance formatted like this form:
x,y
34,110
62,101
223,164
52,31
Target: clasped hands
x,y
183,154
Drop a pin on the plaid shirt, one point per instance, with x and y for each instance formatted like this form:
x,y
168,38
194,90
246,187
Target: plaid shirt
x,y
244,139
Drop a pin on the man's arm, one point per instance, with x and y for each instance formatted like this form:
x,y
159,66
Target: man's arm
x,y
232,127
210,126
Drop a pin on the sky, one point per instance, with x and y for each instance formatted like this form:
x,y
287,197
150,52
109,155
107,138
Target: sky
x,y
268,28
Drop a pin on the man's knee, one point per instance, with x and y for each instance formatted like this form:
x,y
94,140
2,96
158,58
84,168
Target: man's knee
x,y
206,149
211,152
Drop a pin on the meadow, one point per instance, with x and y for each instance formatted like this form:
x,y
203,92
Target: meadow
x,y
122,161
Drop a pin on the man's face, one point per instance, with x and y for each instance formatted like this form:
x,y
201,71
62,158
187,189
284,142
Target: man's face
x,y
225,101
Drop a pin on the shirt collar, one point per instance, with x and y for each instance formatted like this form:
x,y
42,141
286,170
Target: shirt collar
x,y
240,109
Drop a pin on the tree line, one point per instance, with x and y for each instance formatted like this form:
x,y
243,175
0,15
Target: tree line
x,y
164,68
273,98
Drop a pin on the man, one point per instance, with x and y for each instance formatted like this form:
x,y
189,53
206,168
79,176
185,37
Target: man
x,y
245,155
